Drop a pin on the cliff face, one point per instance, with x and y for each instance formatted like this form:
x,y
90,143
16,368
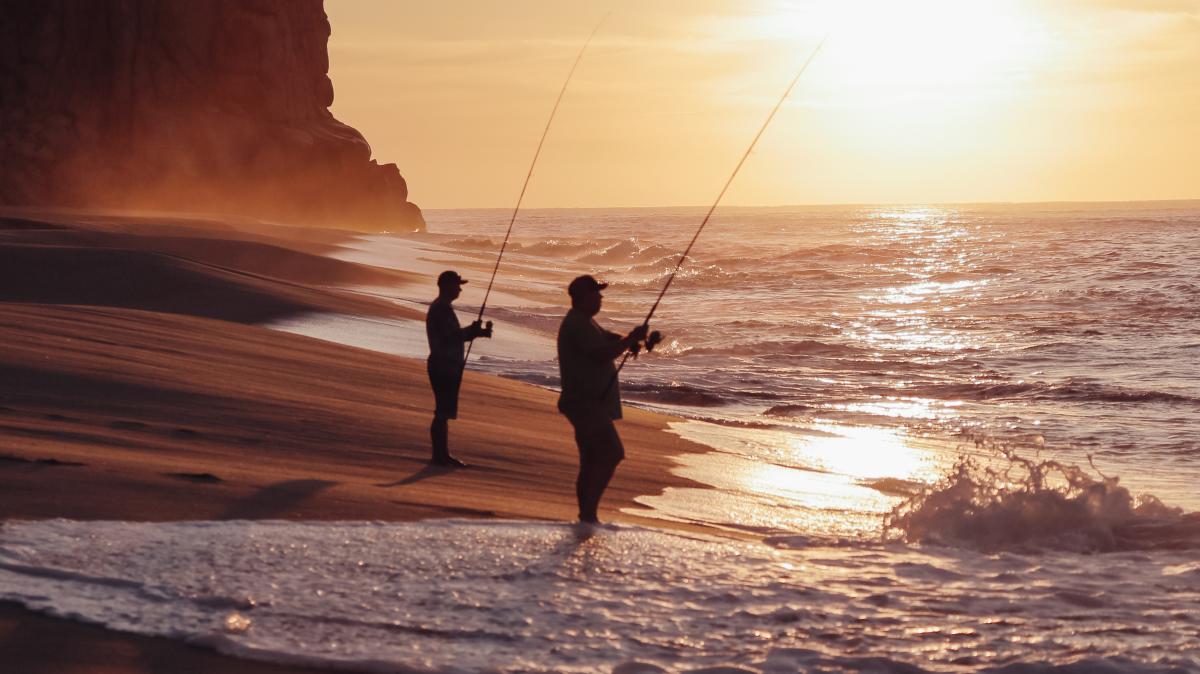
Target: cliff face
x,y
212,106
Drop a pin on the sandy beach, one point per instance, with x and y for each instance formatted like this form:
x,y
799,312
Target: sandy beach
x,y
138,386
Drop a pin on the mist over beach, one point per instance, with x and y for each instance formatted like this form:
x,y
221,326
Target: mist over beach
x,y
939,416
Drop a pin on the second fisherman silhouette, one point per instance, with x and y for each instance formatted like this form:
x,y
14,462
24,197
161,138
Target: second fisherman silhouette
x,y
445,365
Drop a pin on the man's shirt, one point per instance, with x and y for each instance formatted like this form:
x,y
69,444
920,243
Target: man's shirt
x,y
587,381
445,337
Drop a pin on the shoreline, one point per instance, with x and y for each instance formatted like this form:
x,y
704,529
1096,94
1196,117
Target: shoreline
x,y
159,410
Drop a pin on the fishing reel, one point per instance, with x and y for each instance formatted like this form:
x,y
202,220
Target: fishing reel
x,y
649,343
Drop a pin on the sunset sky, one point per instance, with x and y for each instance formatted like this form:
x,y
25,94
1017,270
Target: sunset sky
x,y
918,101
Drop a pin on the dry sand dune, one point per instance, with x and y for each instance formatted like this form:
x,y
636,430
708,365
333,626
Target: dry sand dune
x,y
135,386
227,278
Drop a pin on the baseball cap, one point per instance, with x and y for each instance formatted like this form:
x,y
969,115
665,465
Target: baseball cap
x,y
584,284
449,278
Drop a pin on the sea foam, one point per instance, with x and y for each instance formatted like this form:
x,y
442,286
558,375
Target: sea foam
x,y
472,596
1022,503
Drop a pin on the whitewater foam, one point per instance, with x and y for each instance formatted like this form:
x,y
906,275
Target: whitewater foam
x,y
1013,502
472,596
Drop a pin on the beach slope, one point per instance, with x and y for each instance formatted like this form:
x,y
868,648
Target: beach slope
x,y
137,385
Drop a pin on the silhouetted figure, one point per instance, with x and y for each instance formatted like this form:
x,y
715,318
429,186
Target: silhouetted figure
x,y
445,364
591,397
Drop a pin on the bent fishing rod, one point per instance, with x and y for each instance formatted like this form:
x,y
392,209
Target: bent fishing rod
x,y
529,176
653,338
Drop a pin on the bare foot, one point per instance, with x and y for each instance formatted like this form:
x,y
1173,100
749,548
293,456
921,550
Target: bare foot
x,y
447,460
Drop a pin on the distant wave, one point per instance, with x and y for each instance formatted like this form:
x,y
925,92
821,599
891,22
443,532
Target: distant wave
x,y
698,395
535,378
1071,390
802,347
675,394
1084,392
473,243
789,410
1114,394
741,275
845,253
553,248
626,250
756,264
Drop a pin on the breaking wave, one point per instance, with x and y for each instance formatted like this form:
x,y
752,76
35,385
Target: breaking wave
x,y
552,247
627,250
473,243
1028,504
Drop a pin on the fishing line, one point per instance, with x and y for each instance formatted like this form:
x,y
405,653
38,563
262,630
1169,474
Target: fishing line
x,y
707,216
529,175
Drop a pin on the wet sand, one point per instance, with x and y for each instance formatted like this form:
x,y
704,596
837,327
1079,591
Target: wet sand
x,y
138,386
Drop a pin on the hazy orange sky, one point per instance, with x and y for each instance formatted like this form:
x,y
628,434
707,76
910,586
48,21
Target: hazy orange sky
x,y
915,101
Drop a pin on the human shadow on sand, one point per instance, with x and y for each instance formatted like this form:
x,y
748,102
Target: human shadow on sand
x,y
427,471
277,499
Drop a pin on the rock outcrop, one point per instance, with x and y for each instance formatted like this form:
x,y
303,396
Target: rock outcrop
x,y
211,106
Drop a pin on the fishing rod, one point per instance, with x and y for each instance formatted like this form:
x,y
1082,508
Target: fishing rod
x,y
654,337
529,175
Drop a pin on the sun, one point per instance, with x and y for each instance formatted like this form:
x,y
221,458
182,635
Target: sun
x,y
915,84
888,46
935,44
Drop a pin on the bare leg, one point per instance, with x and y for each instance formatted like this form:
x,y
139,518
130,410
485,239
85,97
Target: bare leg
x,y
581,494
439,436
589,488
600,451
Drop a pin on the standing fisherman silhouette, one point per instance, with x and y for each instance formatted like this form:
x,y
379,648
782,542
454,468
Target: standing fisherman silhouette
x,y
445,364
590,400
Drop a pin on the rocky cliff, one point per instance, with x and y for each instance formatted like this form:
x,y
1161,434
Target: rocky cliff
x,y
184,105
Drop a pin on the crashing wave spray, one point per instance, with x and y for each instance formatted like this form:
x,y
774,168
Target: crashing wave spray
x,y
1034,504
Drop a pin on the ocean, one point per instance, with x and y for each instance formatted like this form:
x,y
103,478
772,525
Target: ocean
x,y
942,438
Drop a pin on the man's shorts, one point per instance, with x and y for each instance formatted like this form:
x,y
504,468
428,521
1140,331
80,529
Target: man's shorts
x,y
445,391
597,439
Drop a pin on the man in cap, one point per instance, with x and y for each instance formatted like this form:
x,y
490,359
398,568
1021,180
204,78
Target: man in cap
x,y
445,362
591,399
